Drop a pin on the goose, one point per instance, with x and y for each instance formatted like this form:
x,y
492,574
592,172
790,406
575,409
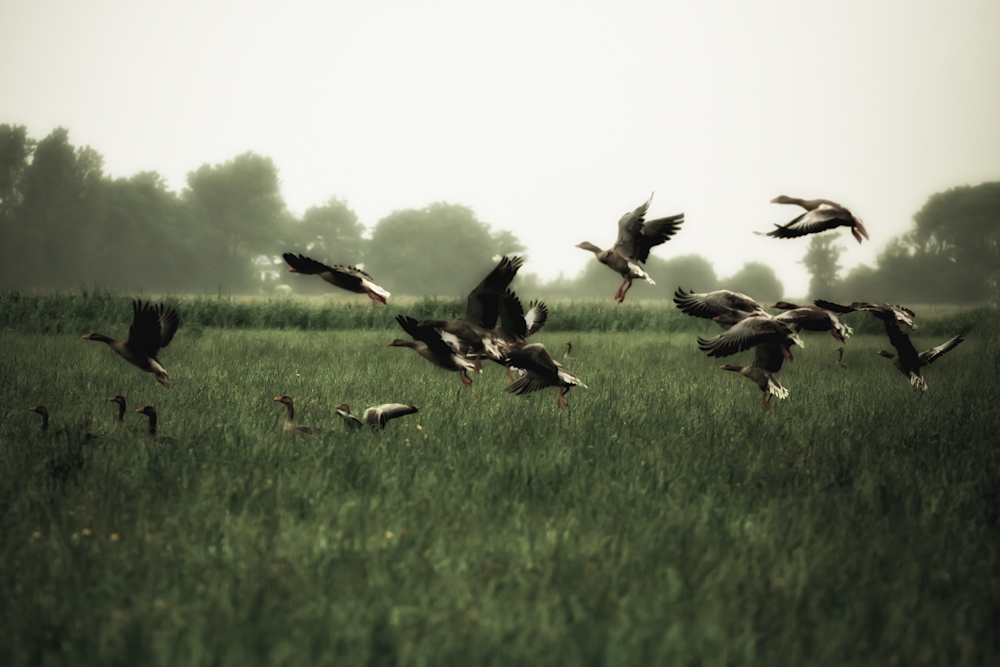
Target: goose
x,y
120,419
438,347
636,237
909,362
813,318
150,412
153,327
709,305
840,358
482,310
376,416
515,326
44,412
763,379
569,349
890,314
745,332
290,424
820,215
541,371
345,277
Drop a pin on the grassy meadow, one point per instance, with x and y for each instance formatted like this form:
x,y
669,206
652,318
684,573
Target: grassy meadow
x,y
662,519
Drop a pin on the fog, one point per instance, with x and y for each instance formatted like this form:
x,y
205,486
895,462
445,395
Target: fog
x,y
550,121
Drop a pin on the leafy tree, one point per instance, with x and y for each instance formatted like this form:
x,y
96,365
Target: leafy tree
x,y
443,249
61,204
239,211
15,152
821,261
758,281
958,233
331,232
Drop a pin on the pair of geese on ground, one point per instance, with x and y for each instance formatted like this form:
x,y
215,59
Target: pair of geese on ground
x,y
748,325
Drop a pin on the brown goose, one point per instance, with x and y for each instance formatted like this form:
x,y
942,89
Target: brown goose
x,y
438,347
515,326
290,424
820,215
153,327
120,419
569,349
345,277
890,314
746,332
763,379
636,237
482,310
909,362
540,371
813,318
709,305
374,417
150,412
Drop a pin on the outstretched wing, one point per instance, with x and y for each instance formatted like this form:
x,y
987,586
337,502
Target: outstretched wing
x,y
483,305
384,413
820,219
636,236
931,355
429,336
152,328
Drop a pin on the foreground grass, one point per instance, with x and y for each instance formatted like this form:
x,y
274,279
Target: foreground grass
x,y
662,519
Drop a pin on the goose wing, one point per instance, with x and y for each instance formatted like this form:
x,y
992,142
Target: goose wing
x,y
429,336
931,355
152,328
483,305
380,414
820,219
636,235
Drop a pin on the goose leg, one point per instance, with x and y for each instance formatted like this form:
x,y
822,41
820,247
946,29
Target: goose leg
x,y
510,376
766,405
627,288
466,380
561,399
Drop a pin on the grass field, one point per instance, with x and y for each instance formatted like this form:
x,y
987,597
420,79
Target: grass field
x,y
662,519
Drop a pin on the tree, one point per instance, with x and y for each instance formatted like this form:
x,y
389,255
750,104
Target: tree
x,y
15,154
958,231
758,281
442,249
332,232
821,261
240,212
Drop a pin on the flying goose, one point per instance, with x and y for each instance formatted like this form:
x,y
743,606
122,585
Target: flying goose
x,y
152,328
438,347
909,362
540,371
636,236
345,277
820,215
813,318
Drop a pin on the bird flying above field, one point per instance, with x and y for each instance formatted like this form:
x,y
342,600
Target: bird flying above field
x,y
345,277
909,362
636,236
540,371
153,327
441,348
820,215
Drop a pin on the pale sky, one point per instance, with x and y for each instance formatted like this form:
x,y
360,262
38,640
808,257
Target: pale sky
x,y
550,119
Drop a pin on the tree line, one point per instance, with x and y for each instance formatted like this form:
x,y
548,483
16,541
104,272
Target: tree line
x,y
65,223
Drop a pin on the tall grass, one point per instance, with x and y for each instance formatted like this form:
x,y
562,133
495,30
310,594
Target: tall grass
x,y
661,519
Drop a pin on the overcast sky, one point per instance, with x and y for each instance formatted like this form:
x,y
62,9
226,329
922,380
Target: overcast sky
x,y
550,119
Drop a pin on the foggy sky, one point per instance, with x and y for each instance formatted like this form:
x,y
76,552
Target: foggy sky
x,y
548,119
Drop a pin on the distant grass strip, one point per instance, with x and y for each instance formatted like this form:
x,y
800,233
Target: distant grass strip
x,y
111,313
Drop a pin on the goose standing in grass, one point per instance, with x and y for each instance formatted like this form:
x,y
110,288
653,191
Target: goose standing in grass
x,y
153,328
120,419
150,412
482,311
44,412
636,236
569,349
374,417
438,347
345,277
820,215
540,371
813,318
909,362
290,425
890,314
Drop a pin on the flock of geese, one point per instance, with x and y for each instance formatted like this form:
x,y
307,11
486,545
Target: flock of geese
x,y
496,326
